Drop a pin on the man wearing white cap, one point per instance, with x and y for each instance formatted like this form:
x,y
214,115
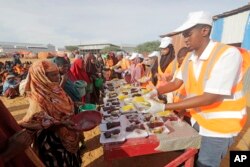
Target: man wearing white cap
x,y
121,66
212,76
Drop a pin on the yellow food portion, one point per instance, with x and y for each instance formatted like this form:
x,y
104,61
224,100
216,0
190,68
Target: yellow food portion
x,y
128,107
127,86
138,99
158,130
144,91
122,97
143,79
164,113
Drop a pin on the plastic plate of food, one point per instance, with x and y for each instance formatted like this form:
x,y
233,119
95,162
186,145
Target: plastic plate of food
x,y
112,136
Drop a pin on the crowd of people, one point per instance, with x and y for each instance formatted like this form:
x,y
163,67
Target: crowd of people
x,y
190,82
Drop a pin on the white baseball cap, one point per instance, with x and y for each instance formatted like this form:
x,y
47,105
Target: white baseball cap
x,y
165,42
154,54
194,18
134,55
141,55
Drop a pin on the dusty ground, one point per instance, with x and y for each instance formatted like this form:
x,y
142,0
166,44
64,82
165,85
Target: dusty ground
x,y
93,156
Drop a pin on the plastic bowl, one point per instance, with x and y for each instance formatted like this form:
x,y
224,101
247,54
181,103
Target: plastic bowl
x,y
87,120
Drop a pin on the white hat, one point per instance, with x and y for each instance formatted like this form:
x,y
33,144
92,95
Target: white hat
x,y
194,18
119,53
154,54
165,42
134,55
10,76
141,55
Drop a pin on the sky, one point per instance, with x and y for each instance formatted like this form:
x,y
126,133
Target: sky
x,y
74,22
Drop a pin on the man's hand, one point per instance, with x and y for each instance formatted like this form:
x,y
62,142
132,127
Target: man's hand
x,y
155,106
151,94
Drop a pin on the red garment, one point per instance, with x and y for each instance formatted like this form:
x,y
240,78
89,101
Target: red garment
x,y
78,71
8,127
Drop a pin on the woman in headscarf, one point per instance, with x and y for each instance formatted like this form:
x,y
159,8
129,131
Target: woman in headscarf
x,y
92,72
50,109
67,85
165,64
78,72
165,67
136,68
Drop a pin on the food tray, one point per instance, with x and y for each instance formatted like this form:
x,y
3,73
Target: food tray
x,y
137,133
117,139
103,126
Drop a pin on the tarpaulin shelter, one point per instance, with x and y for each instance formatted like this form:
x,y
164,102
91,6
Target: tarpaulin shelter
x,y
46,55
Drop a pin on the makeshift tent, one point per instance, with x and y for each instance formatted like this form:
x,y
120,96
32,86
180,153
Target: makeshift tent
x,y
45,55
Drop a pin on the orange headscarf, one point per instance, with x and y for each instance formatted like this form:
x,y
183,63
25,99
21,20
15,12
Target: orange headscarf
x,y
52,101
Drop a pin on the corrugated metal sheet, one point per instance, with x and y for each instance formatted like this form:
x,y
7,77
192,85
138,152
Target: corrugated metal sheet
x,y
234,27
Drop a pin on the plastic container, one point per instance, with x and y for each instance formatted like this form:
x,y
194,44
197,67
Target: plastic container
x,y
87,120
87,106
99,82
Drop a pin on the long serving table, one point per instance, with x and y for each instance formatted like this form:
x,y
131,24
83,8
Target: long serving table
x,y
181,136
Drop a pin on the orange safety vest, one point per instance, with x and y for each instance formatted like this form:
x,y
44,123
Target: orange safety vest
x,y
145,85
109,62
171,68
224,116
124,64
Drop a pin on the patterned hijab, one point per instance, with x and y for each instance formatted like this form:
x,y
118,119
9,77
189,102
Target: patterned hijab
x,y
51,99
49,95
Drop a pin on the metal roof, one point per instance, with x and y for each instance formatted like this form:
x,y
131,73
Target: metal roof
x,y
233,12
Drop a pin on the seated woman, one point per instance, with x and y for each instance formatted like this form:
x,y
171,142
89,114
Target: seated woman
x,y
10,87
50,109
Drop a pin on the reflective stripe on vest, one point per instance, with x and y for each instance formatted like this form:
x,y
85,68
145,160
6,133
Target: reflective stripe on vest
x,y
225,116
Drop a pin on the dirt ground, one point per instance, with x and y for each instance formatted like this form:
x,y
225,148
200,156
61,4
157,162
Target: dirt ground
x,y
93,156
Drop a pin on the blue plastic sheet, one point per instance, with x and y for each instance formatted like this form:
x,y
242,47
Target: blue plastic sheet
x,y
217,30
246,40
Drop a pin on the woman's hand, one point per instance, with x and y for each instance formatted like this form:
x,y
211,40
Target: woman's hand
x,y
17,143
24,138
35,126
68,123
